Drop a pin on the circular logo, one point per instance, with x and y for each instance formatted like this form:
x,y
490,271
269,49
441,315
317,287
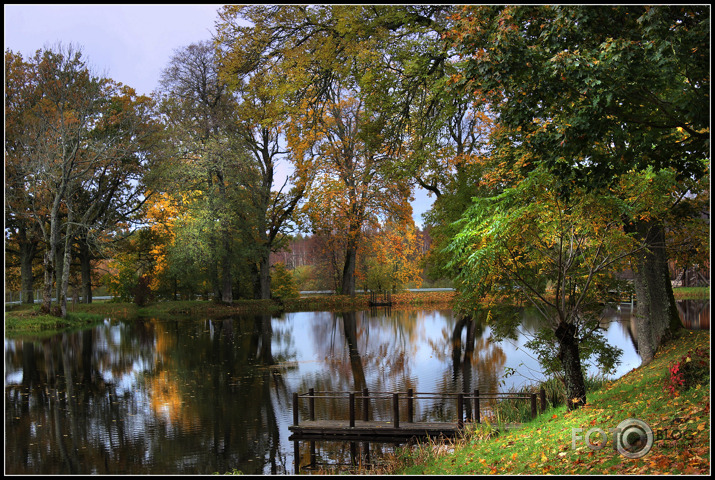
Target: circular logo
x,y
634,438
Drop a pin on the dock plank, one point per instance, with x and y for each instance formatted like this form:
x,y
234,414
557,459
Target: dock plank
x,y
371,429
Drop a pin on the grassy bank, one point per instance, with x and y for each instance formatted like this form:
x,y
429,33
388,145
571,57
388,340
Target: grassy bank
x,y
681,427
27,319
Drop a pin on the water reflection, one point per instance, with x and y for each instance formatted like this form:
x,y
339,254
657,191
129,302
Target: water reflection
x,y
194,396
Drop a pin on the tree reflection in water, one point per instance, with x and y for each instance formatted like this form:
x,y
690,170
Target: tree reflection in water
x,y
213,395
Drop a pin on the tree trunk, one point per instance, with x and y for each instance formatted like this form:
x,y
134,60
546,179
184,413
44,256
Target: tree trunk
x,y
262,277
47,286
27,254
64,286
657,315
347,286
85,259
227,278
571,362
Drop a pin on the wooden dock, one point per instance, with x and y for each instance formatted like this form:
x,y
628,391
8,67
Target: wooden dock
x,y
370,430
402,426
400,429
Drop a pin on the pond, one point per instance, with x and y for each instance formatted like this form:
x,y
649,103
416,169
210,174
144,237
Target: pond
x,y
199,396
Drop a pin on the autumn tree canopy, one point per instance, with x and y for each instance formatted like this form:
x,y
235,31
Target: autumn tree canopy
x,y
592,101
79,143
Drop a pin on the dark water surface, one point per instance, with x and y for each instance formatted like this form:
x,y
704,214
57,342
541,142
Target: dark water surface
x,y
199,396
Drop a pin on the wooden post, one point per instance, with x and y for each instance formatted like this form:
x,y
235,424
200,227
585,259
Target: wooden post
x,y
460,410
366,449
410,405
296,450
396,409
311,402
468,407
533,405
365,404
477,413
312,454
542,394
295,410
352,409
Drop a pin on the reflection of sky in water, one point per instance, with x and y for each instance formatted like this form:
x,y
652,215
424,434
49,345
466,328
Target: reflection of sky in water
x,y
525,363
429,353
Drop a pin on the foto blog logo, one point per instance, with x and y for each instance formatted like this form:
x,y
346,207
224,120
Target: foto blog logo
x,y
632,438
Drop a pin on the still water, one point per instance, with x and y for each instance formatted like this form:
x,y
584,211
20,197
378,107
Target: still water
x,y
198,396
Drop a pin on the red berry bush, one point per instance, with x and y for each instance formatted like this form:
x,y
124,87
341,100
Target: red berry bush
x,y
692,369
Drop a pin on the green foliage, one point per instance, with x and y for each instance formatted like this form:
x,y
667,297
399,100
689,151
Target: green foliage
x,y
304,277
282,284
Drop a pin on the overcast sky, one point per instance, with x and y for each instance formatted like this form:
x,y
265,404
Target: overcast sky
x,y
131,44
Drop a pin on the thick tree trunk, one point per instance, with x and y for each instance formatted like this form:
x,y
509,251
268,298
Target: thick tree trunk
x,y
262,278
67,261
347,286
657,315
226,276
47,283
571,363
27,254
85,260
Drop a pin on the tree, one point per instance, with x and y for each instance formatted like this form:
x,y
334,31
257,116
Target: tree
x,y
344,152
199,110
391,256
592,102
73,132
560,252
262,114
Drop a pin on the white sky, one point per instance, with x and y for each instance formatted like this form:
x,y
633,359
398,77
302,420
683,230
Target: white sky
x,y
131,44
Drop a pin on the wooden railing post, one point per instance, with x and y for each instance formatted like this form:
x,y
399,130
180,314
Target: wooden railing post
x,y
477,412
468,407
295,408
460,410
296,449
533,405
396,409
542,394
311,403
410,405
365,404
352,409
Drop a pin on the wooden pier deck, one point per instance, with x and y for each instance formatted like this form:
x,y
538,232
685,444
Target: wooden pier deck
x,y
370,430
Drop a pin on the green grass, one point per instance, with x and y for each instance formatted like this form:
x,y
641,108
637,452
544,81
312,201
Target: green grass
x,y
692,293
680,424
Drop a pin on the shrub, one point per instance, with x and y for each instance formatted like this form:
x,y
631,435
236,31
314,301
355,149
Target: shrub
x,y
282,284
692,369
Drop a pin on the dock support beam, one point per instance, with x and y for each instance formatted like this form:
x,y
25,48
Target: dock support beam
x,y
352,409
295,408
396,409
460,410
410,405
477,413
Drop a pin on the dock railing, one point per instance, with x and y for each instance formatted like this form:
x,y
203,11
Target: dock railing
x,y
462,399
